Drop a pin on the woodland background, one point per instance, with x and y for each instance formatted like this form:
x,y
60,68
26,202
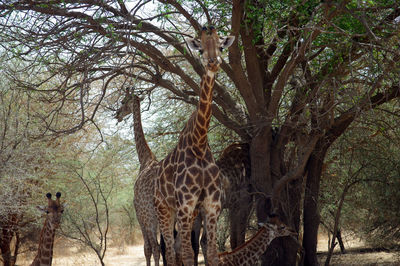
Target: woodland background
x,y
312,86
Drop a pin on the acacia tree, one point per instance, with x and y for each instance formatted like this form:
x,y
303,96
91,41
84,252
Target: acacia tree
x,y
297,75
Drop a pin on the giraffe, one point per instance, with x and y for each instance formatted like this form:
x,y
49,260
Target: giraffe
x,y
234,164
188,178
53,210
144,185
249,253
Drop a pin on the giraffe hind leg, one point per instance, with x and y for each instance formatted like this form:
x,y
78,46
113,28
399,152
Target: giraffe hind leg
x,y
211,211
166,219
185,234
147,249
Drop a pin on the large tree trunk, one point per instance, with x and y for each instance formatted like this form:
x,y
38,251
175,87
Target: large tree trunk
x,y
311,212
283,251
260,172
8,231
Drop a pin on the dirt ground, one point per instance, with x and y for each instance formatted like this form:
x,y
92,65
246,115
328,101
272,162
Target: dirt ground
x,y
65,255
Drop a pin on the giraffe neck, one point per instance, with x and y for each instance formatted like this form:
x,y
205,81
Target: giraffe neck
x,y
202,115
45,251
142,148
250,252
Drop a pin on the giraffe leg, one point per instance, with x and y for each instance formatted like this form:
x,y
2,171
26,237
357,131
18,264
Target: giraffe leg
x,y
155,247
211,210
147,249
185,223
166,219
196,237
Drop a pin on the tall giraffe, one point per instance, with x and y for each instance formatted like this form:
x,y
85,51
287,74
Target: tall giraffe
x,y
249,253
188,178
144,185
53,210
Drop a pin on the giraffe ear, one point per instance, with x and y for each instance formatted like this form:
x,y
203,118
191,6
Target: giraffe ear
x,y
226,41
193,44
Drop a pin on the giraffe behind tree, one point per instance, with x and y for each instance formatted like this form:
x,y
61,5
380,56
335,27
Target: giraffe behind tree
x,y
188,178
53,210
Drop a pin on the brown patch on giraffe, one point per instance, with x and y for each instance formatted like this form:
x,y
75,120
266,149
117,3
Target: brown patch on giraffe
x,y
189,141
211,189
196,151
187,198
207,180
180,197
213,170
185,189
194,190
207,113
181,158
203,109
179,180
170,188
200,119
181,166
189,181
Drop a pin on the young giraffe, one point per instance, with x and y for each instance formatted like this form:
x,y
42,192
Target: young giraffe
x,y
249,253
188,178
144,185
53,212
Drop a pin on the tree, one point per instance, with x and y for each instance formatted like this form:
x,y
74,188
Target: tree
x,y
364,164
298,75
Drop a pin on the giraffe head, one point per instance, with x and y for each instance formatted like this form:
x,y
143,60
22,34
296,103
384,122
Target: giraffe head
x,y
210,47
280,229
126,106
53,210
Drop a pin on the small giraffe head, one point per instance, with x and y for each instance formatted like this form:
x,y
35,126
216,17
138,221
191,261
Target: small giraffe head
x,y
275,224
53,210
210,47
126,106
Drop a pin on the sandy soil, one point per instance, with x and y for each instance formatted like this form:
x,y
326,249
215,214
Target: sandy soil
x,y
64,255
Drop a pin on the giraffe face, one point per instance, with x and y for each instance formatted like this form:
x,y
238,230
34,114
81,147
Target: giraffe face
x,y
53,210
280,228
210,47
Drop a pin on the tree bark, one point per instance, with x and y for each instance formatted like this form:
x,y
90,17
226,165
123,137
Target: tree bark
x,y
311,212
7,232
283,251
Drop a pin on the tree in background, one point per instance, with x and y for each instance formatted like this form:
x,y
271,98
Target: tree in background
x,y
360,191
32,162
297,76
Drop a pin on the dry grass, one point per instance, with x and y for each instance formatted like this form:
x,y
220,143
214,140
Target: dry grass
x,y
357,253
66,254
